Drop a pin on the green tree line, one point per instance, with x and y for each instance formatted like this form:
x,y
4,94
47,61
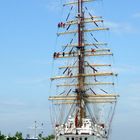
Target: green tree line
x,y
18,136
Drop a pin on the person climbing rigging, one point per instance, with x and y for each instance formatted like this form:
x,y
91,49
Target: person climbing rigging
x,y
63,54
59,25
54,55
57,55
93,50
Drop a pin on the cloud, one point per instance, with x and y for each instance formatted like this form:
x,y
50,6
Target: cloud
x,y
53,6
136,15
12,103
134,88
32,81
127,69
120,28
130,98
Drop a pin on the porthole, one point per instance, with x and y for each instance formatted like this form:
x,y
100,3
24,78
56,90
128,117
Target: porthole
x,y
72,138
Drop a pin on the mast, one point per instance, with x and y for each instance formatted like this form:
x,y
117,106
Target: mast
x,y
84,83
81,50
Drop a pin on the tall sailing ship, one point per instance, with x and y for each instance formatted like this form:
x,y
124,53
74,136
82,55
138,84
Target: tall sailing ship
x,y
83,98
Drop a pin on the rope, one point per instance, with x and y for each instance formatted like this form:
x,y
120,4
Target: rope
x,y
92,17
93,118
111,120
70,111
69,13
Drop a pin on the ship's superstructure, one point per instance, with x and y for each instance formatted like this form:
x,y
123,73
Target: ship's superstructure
x,y
85,99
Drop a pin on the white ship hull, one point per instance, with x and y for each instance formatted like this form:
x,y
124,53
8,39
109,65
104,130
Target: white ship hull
x,y
88,131
79,137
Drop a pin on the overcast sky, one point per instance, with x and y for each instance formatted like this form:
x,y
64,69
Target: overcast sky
x,y
27,38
